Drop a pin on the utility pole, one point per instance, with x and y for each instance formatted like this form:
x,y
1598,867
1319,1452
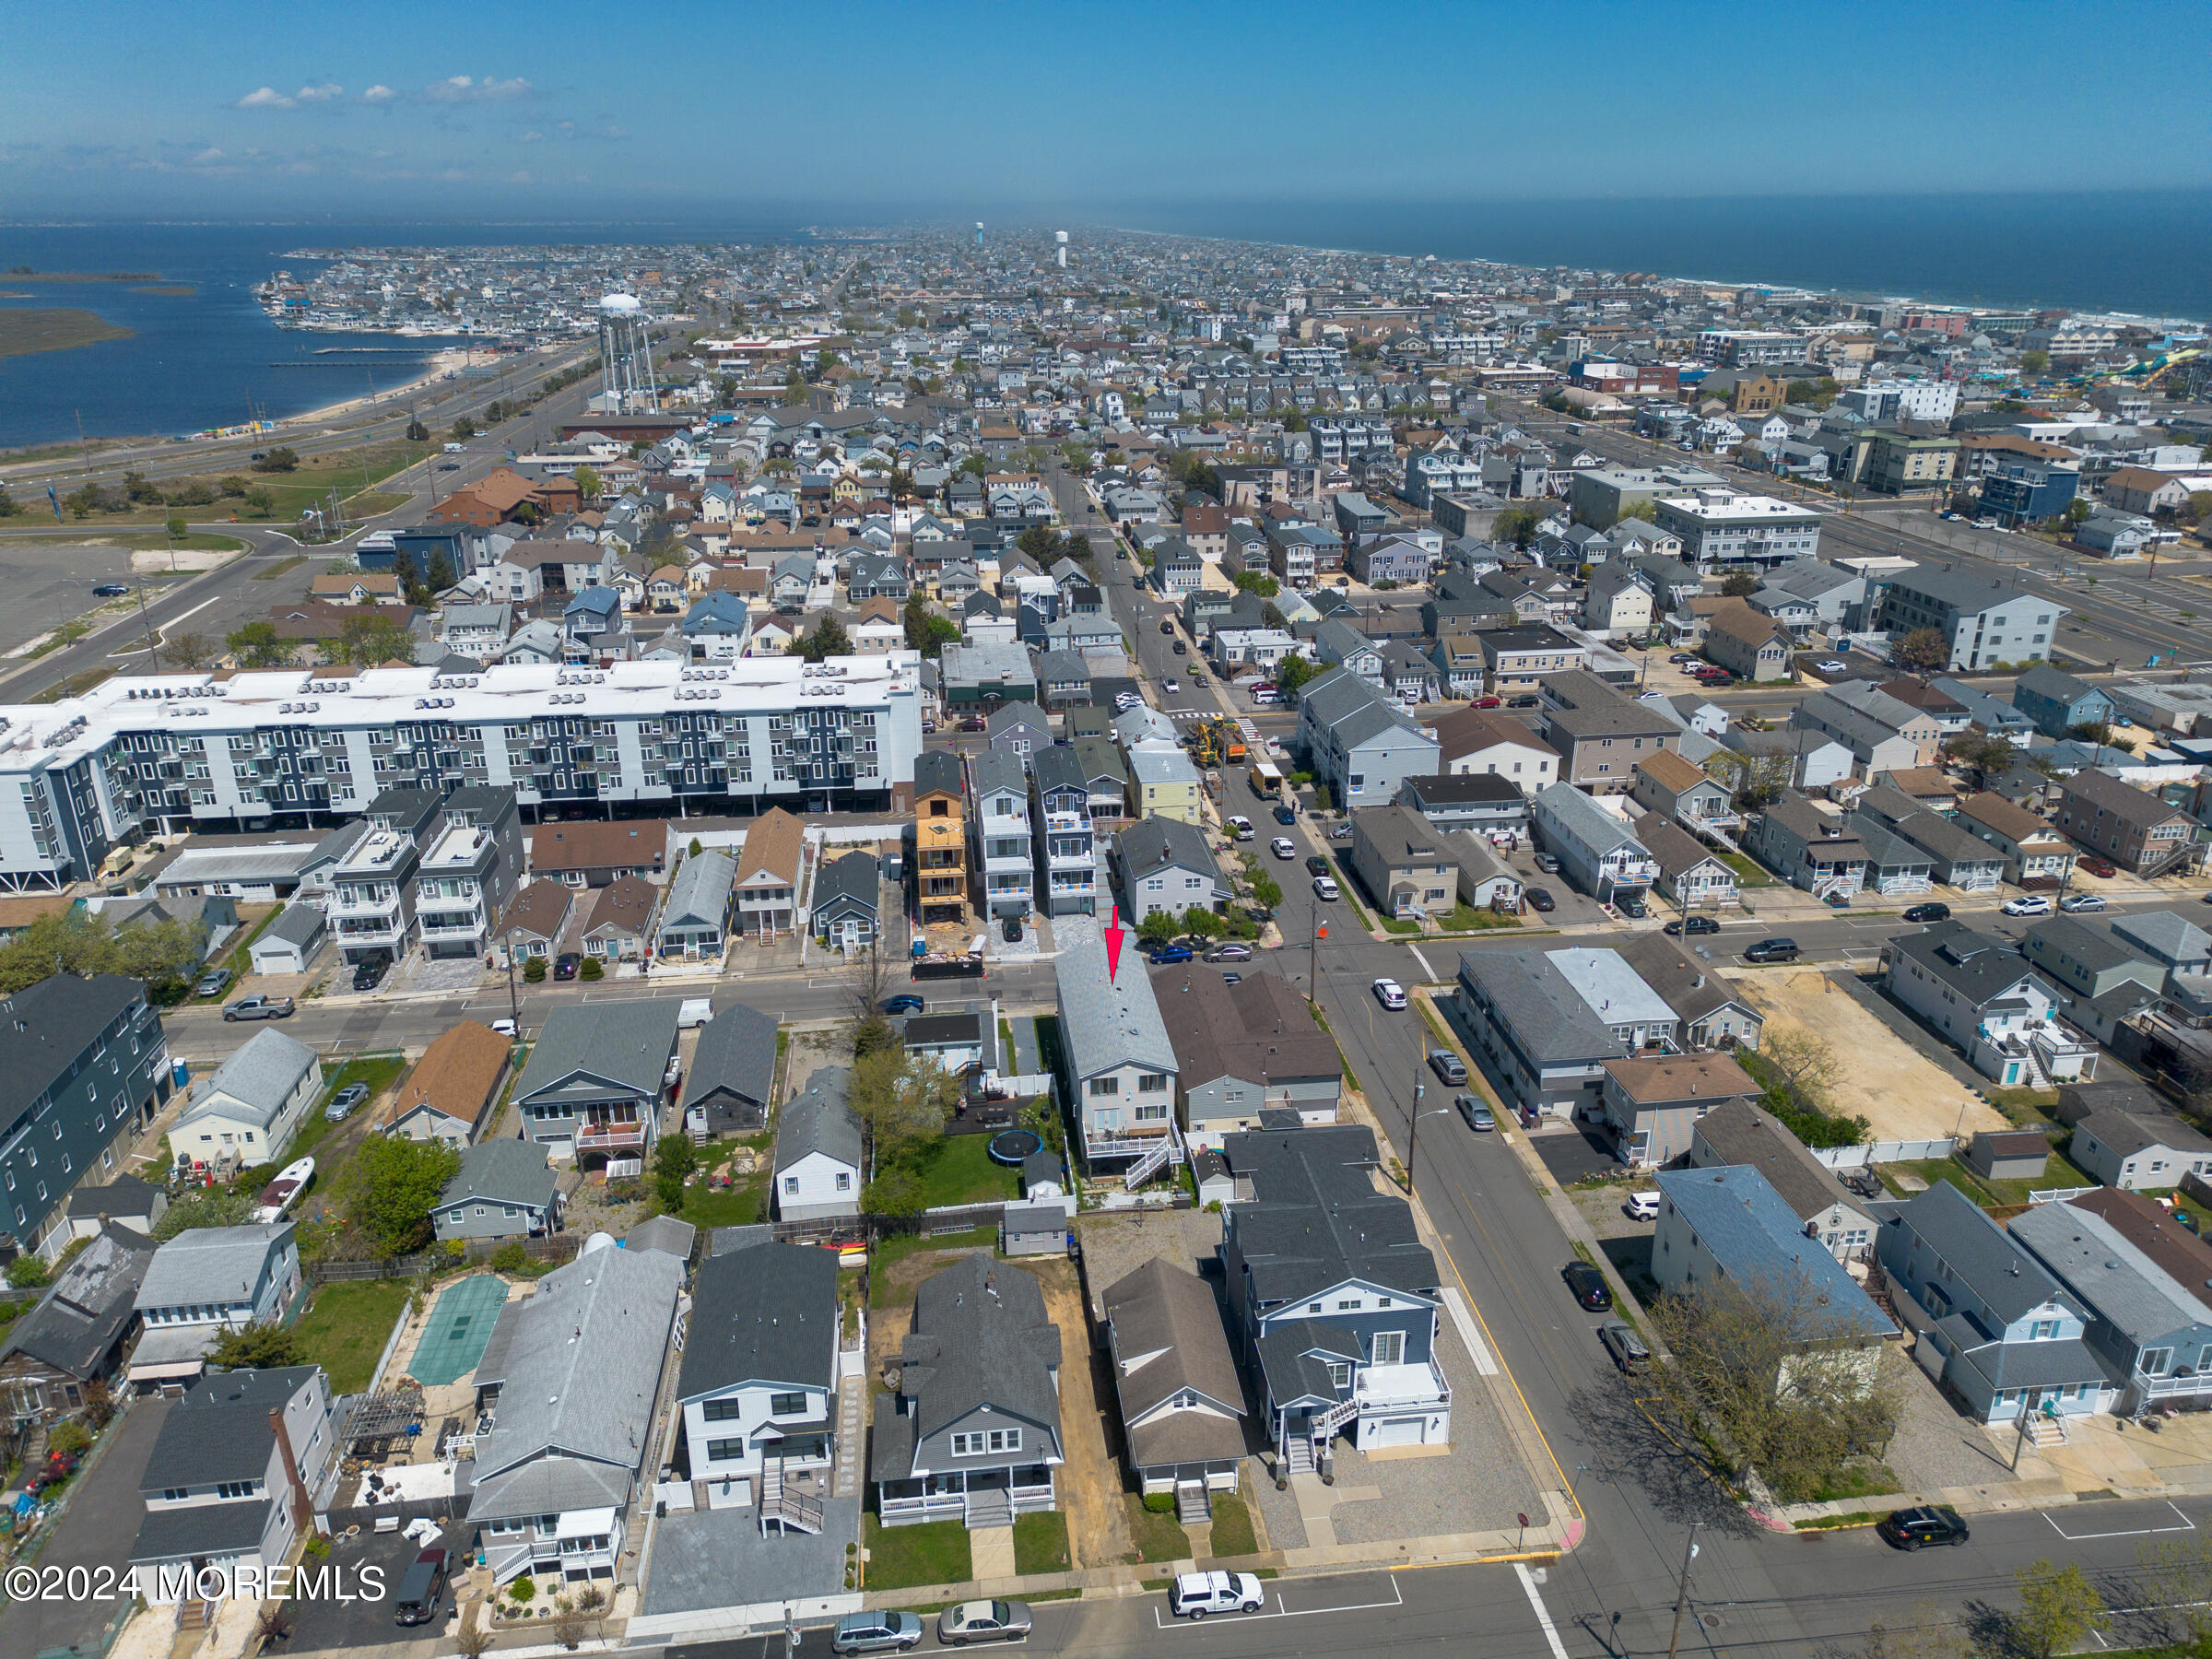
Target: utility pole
x,y
1321,931
514,1001
153,656
1413,1133
1682,1595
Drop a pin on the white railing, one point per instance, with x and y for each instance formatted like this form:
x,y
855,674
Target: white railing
x,y
1874,1152
1334,1418
2170,1388
2056,1194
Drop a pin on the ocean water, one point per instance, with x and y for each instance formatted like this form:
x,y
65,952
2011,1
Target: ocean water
x,y
205,359
2146,251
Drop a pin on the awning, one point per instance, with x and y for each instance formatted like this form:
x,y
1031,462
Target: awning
x,y
170,1352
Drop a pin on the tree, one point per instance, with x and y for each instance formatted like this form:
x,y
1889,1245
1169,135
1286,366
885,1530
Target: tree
x,y
2035,361
925,631
1258,582
256,645
260,501
2177,1576
28,1272
280,459
1265,889
388,1189
1201,923
1983,756
1517,526
587,482
202,1206
1774,1377
257,1347
366,640
897,1192
827,640
1806,1064
1158,928
1738,585
416,431
902,1102
533,971
1924,650
1291,673
674,1160
463,431
158,952
2058,1608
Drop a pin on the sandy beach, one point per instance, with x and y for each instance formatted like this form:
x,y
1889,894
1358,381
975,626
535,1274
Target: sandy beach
x,y
440,365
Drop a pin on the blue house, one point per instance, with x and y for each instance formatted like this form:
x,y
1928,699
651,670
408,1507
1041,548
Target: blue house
x,y
1332,1297
2056,701
2006,1336
717,626
2024,491
414,548
593,614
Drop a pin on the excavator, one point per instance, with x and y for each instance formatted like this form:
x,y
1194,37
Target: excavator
x,y
1216,743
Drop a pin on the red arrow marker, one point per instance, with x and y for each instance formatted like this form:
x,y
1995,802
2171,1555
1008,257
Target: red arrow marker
x,y
1114,944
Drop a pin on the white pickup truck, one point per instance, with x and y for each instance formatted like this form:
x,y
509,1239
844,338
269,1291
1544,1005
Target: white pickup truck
x,y
1195,1594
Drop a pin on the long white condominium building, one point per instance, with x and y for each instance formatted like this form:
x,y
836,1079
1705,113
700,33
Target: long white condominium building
x,y
158,754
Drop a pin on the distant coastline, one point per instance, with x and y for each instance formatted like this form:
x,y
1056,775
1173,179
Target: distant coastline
x,y
25,274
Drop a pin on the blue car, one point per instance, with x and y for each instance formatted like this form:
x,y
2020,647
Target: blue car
x,y
1171,953
1285,815
903,1004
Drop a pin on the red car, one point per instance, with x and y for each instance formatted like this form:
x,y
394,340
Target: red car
x,y
977,724
1489,702
2097,866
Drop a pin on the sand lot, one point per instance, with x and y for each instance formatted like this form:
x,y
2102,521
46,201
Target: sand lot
x,y
1903,1095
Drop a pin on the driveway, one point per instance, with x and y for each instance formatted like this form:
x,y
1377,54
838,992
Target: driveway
x,y
335,1623
95,1533
1091,1480
1576,1152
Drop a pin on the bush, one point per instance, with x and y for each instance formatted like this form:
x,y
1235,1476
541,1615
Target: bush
x,y
510,1258
316,1549
1160,1503
70,1439
592,968
533,970
523,1590
26,1272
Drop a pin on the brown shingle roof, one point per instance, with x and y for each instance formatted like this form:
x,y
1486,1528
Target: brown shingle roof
x,y
626,905
2146,1224
539,909
1681,1077
642,844
458,1075
1259,1025
1671,772
771,847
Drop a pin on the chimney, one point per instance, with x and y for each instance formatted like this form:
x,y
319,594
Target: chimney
x,y
303,1508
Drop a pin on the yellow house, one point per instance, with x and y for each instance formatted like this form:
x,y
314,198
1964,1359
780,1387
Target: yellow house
x,y
1163,782
940,836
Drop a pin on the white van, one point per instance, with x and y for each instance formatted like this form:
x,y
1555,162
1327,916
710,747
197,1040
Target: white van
x,y
694,1012
1643,1207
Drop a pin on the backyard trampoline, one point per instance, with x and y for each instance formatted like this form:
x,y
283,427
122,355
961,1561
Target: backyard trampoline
x,y
1011,1146
460,1326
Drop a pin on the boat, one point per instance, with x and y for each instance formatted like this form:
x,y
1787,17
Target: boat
x,y
279,1194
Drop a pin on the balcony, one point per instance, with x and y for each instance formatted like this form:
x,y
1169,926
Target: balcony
x,y
451,925
1401,1388
602,1137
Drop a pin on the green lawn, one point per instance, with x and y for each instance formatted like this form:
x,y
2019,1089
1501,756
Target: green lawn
x,y
958,1170
1747,872
345,1327
379,1072
1158,1538
241,958
933,1553
1467,918
740,1205
2058,1173
1040,1542
1232,1526
882,1292
1857,1480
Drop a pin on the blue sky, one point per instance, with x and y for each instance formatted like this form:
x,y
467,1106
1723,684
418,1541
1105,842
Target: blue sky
x,y
403,109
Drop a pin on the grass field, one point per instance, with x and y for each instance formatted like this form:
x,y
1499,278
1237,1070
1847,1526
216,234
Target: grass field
x,y
883,1292
26,330
1232,1526
1158,1538
1040,1542
933,1553
345,1327
958,1170
353,473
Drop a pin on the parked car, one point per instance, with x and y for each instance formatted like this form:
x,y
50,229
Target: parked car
x,y
876,1633
2103,868
1680,658
1830,665
1633,906
1548,863
1286,814
1527,700
1588,1286
1772,950
213,984
1241,827
1233,950
1283,847
1620,1341
342,1103
260,1008
906,1002
1164,954
2028,904
984,1621
978,724
1326,889
1488,701
421,1588
2075,903
1918,1528
503,1027
110,590
1837,900
1389,992
1010,930
1316,865
1448,1068
1928,913
1195,1594
567,965
1539,899
1691,925
369,975
1479,1117
1642,1207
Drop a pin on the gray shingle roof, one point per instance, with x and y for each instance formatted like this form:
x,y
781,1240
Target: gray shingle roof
x,y
209,1265
764,1314
203,1530
219,1429
1979,1253
1547,1015
1107,1023
843,883
1165,1310
1156,844
502,1171
818,1120
89,1305
1316,1218
627,1044
1973,965
259,1076
993,770
736,1051
2125,1288
701,891
981,1337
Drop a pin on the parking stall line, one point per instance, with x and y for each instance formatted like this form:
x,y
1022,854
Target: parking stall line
x,y
1282,1610
2133,1532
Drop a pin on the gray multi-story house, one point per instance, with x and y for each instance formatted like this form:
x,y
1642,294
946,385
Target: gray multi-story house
x,y
468,871
1596,851
2153,1332
1600,732
1402,861
844,910
973,1433
82,1063
817,1152
1119,1064
592,1087
504,1189
2056,701
374,895
1068,859
1360,745
1544,1022
1981,618
1165,864
1244,1050
1333,1298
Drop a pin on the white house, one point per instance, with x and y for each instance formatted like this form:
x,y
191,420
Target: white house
x,y
248,1109
818,1150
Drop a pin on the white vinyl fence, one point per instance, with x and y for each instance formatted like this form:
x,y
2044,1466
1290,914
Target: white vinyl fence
x,y
1874,1152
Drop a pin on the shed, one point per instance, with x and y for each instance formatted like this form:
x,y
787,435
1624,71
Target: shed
x,y
2007,1155
290,942
1210,1170
1033,1230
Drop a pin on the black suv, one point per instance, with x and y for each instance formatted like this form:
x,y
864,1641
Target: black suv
x,y
1929,913
1772,950
1588,1285
1317,865
1918,1528
369,975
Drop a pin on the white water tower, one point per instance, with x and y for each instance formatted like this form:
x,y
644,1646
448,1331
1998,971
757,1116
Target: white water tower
x,y
1059,250
626,356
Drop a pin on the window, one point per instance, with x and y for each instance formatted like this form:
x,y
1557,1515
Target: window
x,y
725,1450
1105,1085
967,1445
1151,1082
723,1411
1340,1374
786,1405
2042,1330
1347,1304
1390,1347
790,1186
2156,1362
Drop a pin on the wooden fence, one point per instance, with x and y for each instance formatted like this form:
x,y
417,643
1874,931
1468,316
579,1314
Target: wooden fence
x,y
556,1247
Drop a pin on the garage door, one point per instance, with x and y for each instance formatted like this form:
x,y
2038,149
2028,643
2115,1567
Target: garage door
x,y
1400,1431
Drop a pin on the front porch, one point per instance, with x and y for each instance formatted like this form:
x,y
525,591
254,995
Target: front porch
x,y
975,1498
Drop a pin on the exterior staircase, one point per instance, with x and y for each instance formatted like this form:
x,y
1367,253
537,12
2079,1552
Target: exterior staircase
x,y
1298,1455
1193,1503
1337,1416
791,1509
2044,1432
1149,1165
986,1510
